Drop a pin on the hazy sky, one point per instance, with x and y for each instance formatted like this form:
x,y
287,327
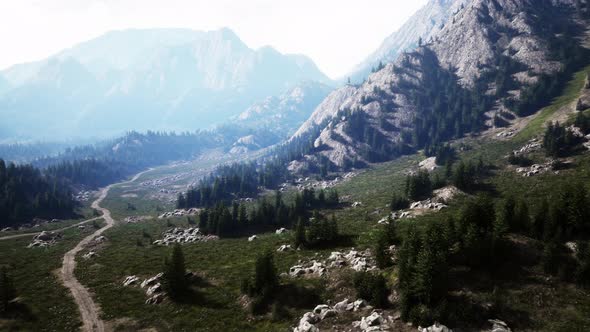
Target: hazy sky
x,y
336,34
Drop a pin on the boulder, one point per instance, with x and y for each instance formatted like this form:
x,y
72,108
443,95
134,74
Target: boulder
x,y
130,280
583,103
383,221
285,247
152,281
100,239
437,327
184,235
296,270
155,299
319,308
157,288
36,243
446,194
374,319
572,246
328,313
309,317
428,164
305,326
499,326
44,236
90,254
316,268
44,239
373,322
341,306
281,231
356,305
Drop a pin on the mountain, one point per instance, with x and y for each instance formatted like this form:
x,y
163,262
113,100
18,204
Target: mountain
x,y
146,79
4,85
325,110
284,113
424,24
492,62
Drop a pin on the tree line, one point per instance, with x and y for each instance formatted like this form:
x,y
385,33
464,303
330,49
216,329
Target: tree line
x,y
238,219
27,193
230,182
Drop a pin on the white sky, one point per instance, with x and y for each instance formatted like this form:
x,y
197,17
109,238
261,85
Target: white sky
x,y
336,34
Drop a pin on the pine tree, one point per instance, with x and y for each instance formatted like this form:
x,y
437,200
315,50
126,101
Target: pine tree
x,y
398,202
380,292
522,219
407,259
181,202
381,251
550,259
265,276
504,218
299,239
174,277
7,290
242,216
583,270
539,220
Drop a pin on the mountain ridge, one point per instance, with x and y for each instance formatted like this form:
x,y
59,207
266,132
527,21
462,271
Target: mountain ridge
x,y
424,24
193,80
496,50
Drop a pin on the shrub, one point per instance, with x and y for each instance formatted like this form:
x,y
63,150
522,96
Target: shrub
x,y
399,202
371,287
519,160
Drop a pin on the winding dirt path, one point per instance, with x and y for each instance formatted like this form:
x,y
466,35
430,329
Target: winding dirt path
x,y
89,311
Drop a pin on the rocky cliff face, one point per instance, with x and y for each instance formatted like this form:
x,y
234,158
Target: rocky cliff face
x,y
472,40
327,109
425,24
466,56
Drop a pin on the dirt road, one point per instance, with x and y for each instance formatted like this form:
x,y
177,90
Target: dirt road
x,y
16,236
89,311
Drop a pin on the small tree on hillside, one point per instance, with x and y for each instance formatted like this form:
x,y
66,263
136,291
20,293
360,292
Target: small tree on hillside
x,y
299,238
398,202
174,278
7,291
381,251
265,278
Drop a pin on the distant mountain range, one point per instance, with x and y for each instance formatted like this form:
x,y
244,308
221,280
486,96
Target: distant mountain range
x,y
158,79
284,113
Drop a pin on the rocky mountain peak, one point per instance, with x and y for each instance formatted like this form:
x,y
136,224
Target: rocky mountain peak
x,y
486,53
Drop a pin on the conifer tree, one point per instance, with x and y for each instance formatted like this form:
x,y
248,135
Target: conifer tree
x,y
265,276
299,238
7,291
381,251
174,277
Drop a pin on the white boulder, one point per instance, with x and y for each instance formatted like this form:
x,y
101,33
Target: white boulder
x,y
130,280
